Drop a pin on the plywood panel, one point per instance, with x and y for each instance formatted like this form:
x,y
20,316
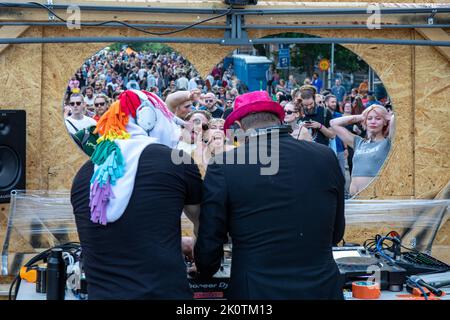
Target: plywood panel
x,y
4,212
393,65
20,88
432,118
61,157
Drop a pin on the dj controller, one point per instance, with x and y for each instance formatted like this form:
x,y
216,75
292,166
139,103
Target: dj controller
x,y
379,264
355,263
215,287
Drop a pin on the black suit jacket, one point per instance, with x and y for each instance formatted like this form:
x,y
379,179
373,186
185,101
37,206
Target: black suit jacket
x,y
282,226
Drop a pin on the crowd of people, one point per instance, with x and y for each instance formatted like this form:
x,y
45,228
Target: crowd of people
x,y
131,193
310,109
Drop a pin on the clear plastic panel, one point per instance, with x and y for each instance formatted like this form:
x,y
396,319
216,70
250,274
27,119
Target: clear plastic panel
x,y
422,224
38,220
41,219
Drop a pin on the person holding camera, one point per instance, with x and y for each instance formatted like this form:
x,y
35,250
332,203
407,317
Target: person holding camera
x,y
317,119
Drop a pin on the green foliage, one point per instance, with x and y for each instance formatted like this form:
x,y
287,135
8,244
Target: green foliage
x,y
140,46
305,56
116,46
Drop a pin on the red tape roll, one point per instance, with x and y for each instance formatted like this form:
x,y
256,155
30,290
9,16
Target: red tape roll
x,y
365,290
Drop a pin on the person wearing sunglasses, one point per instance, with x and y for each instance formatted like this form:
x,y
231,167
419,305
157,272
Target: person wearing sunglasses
x,y
292,117
77,120
320,100
101,105
210,104
193,131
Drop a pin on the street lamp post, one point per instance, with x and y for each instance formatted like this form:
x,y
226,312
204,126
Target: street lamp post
x,y
331,69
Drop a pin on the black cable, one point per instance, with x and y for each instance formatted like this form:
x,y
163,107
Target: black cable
x,y
16,279
48,9
371,243
230,9
41,256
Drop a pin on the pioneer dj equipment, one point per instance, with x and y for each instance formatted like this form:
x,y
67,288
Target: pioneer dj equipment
x,y
212,288
356,264
415,262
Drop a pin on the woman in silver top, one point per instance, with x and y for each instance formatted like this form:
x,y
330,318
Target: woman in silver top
x,y
370,152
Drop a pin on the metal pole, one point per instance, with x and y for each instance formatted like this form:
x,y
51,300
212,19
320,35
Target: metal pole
x,y
115,25
233,26
122,8
343,26
343,11
225,42
353,41
238,26
304,11
249,27
329,77
330,80
108,40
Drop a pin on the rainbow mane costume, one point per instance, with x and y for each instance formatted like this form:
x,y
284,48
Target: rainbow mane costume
x,y
118,150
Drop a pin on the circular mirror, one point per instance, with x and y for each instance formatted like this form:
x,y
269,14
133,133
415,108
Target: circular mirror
x,y
329,94
153,67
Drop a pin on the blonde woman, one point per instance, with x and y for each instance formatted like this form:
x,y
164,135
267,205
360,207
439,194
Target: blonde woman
x,y
214,143
369,152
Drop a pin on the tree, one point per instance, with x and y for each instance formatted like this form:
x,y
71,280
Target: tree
x,y
306,56
140,46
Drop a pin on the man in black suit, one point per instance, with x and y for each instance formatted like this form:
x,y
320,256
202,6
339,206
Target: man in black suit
x,y
282,225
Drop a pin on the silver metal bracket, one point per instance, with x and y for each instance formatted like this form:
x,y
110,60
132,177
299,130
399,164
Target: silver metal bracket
x,y
430,19
237,35
51,17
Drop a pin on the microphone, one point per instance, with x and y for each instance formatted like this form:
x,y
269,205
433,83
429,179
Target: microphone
x,y
440,284
435,291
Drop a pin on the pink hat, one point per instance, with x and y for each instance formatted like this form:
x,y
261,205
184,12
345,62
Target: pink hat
x,y
253,102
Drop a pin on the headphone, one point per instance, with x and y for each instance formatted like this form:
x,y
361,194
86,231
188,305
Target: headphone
x,y
146,116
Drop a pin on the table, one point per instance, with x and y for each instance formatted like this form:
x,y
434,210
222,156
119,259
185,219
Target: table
x,y
27,291
389,295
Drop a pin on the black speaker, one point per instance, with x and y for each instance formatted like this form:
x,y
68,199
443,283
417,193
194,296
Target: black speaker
x,y
12,152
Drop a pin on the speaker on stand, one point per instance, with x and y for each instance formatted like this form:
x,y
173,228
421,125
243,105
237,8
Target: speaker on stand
x,y
12,152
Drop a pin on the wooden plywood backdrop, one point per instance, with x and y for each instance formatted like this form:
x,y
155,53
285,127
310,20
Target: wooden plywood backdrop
x,y
34,78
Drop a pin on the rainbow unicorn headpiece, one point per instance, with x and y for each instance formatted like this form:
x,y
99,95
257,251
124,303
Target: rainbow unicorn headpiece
x,y
122,140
